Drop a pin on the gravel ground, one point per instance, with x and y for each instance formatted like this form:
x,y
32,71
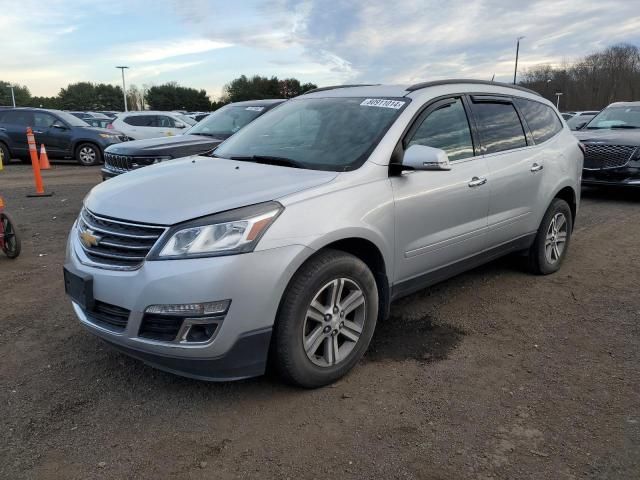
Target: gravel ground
x,y
492,374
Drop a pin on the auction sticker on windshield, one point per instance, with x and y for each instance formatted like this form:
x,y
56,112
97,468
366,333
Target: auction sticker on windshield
x,y
382,102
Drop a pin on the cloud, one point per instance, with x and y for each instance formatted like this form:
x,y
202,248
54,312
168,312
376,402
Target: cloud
x,y
154,51
322,41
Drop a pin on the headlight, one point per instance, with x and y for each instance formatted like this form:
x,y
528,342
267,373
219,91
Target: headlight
x,y
108,135
227,233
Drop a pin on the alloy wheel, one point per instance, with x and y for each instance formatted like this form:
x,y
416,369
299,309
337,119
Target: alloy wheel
x,y
87,155
556,238
334,322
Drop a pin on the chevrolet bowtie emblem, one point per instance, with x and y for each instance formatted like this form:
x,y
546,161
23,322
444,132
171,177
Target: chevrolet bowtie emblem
x,y
89,239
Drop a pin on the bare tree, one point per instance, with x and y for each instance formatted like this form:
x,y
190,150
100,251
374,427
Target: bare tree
x,y
593,82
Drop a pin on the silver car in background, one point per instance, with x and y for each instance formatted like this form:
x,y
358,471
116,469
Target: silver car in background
x,y
293,243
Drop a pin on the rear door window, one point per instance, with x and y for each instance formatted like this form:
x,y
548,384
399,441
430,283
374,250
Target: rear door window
x,y
18,117
541,119
499,126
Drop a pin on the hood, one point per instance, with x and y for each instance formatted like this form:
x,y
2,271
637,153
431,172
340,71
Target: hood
x,y
153,146
96,130
175,146
172,192
610,136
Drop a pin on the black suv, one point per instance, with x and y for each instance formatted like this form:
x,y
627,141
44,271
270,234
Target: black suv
x,y
612,146
63,135
200,139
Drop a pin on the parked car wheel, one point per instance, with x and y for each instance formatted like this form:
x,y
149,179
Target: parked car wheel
x,y
88,154
326,319
5,156
12,244
552,240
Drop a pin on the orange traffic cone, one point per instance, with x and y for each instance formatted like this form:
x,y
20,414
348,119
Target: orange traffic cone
x,y
44,159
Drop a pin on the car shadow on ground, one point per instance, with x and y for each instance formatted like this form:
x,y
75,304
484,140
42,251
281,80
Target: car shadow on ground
x,y
423,338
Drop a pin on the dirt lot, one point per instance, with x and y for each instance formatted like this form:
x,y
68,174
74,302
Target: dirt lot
x,y
493,374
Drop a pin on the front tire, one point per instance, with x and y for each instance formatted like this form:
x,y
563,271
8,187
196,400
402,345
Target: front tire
x,y
5,156
552,240
12,244
326,319
88,154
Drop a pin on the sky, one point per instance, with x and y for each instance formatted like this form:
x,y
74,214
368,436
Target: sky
x,y
48,44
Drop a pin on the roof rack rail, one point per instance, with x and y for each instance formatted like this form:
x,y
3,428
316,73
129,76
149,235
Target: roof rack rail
x,y
333,87
435,83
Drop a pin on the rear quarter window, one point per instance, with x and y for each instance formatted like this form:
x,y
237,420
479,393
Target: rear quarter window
x,y
541,119
140,120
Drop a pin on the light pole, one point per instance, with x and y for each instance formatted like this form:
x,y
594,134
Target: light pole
x,y
515,70
124,88
13,98
558,94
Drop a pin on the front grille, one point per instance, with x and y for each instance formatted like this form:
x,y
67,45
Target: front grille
x,y
116,243
125,163
109,316
160,327
118,163
601,157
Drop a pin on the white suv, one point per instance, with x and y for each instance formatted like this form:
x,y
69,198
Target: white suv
x,y
140,125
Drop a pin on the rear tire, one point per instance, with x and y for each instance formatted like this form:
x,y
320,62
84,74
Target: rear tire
x,y
326,319
552,240
88,154
12,245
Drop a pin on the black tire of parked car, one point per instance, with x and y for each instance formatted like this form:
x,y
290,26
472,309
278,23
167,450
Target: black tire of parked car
x,y
538,261
5,156
288,354
88,154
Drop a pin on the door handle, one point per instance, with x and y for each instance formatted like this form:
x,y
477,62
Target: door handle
x,y
37,131
2,129
536,168
477,181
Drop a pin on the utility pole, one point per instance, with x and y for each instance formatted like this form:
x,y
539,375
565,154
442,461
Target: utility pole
x,y
124,88
515,71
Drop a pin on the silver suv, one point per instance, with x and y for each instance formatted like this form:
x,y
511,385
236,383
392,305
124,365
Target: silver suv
x,y
315,217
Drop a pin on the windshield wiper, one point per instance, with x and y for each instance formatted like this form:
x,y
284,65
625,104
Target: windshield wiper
x,y
270,160
624,126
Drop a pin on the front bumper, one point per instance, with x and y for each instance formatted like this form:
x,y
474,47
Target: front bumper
x,y
255,283
625,176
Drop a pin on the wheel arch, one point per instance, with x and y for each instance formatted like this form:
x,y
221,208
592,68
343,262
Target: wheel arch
x,y
77,143
6,145
371,254
568,194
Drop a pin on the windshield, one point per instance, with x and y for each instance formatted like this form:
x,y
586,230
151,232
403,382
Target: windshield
x,y
227,120
334,134
616,117
188,120
71,119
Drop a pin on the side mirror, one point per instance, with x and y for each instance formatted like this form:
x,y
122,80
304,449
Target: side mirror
x,y
421,157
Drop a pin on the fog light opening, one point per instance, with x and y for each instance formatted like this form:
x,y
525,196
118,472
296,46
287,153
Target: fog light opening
x,y
201,332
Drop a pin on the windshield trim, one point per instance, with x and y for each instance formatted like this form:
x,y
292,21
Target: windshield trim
x,y
361,160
